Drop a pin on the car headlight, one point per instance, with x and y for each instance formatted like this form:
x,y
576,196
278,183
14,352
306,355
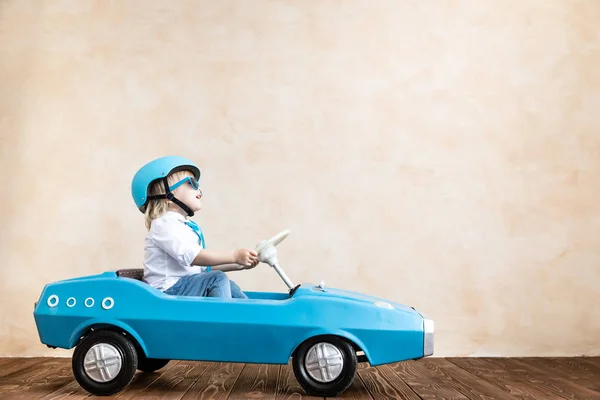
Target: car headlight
x,y
428,334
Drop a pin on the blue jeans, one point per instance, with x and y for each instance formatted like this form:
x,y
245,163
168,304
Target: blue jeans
x,y
207,284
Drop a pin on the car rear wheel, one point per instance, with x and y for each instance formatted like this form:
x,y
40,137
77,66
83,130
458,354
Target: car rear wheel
x,y
150,364
325,366
104,362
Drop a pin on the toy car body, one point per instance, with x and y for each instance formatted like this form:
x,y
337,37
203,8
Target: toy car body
x,y
119,324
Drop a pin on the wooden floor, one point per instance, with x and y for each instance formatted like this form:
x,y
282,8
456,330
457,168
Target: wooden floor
x,y
430,378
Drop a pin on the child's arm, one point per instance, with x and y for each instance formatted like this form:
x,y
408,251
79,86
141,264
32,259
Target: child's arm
x,y
172,238
244,258
231,267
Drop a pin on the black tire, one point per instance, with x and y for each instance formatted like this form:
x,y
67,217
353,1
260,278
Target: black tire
x,y
150,364
125,350
341,382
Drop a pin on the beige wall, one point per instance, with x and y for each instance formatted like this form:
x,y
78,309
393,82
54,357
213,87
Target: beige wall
x,y
441,154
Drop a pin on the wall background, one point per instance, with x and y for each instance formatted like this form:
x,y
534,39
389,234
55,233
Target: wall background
x,y
440,154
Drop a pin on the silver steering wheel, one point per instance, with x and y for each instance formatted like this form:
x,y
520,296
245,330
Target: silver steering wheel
x,y
268,254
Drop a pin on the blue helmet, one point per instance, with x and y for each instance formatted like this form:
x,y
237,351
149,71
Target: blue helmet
x,y
155,170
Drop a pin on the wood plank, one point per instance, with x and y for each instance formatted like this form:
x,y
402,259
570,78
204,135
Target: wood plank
x,y
70,391
595,361
494,371
592,363
589,364
15,365
562,368
256,381
572,378
6,361
569,369
468,384
21,376
38,381
427,380
563,385
357,391
215,382
173,383
288,386
574,365
142,380
383,383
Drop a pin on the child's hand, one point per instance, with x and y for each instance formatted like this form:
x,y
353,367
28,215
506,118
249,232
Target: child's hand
x,y
245,257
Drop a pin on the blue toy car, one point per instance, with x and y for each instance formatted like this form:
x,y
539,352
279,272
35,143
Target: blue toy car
x,y
118,324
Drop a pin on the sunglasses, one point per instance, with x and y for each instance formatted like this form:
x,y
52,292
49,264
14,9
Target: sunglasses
x,y
193,183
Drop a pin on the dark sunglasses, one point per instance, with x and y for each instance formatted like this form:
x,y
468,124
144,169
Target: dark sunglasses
x,y
193,183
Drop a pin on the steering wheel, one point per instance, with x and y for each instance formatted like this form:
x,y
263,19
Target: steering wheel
x,y
274,241
268,254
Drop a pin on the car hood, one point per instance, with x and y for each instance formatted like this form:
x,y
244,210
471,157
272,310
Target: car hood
x,y
349,295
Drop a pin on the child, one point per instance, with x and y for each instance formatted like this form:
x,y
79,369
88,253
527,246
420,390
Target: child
x,y
176,260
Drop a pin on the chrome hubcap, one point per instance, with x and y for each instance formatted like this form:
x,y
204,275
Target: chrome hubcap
x,y
102,362
324,362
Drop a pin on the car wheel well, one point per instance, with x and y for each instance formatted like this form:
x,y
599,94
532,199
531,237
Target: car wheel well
x,y
113,328
360,354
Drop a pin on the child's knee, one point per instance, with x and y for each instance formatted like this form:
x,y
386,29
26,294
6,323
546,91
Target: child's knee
x,y
218,276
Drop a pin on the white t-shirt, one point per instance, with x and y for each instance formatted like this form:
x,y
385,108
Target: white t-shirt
x,y
171,247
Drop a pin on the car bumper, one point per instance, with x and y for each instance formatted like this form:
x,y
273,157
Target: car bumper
x,y
428,336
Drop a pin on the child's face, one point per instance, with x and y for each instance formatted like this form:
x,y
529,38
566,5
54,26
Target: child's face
x,y
188,195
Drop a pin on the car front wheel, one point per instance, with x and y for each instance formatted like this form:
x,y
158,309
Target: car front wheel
x,y
104,362
325,366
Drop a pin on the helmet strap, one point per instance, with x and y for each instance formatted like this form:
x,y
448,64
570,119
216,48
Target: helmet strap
x,y
169,196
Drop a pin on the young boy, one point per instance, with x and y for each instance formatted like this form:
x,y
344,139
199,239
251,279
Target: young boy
x,y
176,260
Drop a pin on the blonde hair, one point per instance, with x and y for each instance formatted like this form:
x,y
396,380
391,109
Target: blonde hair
x,y
158,207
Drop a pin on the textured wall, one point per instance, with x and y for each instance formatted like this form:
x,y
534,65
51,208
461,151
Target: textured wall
x,y
441,154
